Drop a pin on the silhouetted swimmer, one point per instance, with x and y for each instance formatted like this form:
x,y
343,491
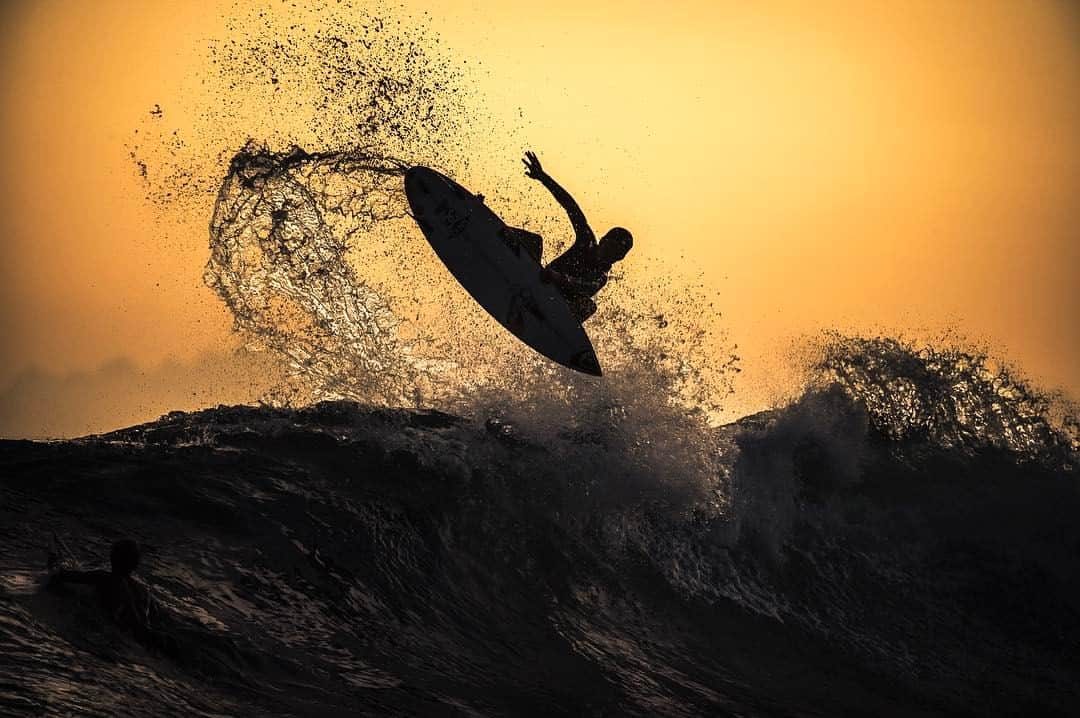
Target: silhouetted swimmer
x,y
122,597
582,270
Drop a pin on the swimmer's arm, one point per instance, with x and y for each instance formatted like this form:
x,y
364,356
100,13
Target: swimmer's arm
x,y
85,577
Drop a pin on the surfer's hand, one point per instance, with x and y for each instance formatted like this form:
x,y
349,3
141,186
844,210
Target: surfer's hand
x,y
532,166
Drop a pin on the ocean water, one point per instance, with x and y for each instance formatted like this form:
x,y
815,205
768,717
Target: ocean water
x,y
843,555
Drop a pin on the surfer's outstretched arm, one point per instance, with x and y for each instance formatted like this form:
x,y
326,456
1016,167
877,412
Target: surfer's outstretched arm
x,y
582,231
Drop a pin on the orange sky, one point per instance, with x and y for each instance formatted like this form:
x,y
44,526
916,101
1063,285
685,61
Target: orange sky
x,y
871,167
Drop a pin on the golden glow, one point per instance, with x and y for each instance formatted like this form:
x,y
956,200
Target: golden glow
x,y
866,166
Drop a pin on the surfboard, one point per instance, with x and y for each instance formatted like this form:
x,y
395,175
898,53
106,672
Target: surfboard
x,y
497,272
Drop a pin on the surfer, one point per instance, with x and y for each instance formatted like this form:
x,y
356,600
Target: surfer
x,y
121,596
582,270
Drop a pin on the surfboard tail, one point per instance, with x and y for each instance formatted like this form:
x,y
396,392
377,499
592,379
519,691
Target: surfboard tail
x,y
586,362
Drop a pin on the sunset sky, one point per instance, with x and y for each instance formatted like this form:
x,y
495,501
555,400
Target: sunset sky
x,y
902,167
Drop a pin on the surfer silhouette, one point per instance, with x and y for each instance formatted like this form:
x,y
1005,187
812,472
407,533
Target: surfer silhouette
x,y
582,270
121,596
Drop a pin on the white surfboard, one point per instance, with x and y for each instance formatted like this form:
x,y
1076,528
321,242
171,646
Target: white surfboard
x,y
498,273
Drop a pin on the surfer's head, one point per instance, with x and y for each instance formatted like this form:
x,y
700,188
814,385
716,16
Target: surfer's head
x,y
124,557
614,245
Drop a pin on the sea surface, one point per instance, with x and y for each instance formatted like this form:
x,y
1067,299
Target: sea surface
x,y
343,559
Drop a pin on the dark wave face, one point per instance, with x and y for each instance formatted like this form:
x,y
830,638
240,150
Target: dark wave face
x,y
339,560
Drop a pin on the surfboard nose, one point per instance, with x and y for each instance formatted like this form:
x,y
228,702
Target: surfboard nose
x,y
416,180
586,362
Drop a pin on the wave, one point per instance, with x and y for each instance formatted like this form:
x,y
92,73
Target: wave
x,y
342,558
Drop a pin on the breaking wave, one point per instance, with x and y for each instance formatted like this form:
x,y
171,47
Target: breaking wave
x,y
833,556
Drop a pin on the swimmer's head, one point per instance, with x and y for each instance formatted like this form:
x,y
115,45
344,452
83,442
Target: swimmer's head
x,y
124,557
